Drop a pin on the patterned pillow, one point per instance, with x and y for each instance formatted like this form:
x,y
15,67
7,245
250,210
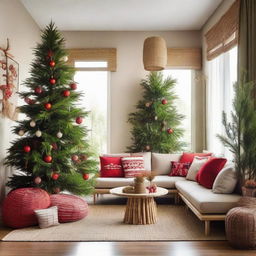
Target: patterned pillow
x,y
111,167
47,217
179,169
133,166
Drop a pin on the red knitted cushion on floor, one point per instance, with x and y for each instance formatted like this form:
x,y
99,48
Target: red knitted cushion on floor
x,y
70,208
19,205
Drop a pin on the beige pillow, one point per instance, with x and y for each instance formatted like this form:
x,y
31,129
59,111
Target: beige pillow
x,y
197,163
225,181
161,163
146,157
47,217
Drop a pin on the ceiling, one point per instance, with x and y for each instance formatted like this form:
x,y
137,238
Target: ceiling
x,y
122,15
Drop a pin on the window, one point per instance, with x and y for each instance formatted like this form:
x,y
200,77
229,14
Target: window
x,y
222,73
94,86
183,91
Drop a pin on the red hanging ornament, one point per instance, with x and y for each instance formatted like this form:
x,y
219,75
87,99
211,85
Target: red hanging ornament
x,y
52,81
66,93
51,63
55,175
79,120
38,90
86,176
27,149
75,158
169,130
164,101
73,86
37,180
50,53
48,159
54,146
48,106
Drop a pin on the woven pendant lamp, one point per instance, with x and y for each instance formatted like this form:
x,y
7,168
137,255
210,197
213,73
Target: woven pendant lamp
x,y
154,53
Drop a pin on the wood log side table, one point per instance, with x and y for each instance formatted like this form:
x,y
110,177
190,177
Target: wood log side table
x,y
140,208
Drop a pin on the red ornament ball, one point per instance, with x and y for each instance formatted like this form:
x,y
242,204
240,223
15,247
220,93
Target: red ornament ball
x,y
48,106
52,81
164,101
73,86
38,90
37,180
83,157
66,93
79,120
48,159
50,53
52,63
75,158
170,130
55,176
86,176
27,149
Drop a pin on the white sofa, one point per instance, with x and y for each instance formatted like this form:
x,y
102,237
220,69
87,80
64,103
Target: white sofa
x,y
207,206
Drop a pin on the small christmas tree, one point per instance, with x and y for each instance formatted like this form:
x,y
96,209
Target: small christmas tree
x,y
156,123
52,152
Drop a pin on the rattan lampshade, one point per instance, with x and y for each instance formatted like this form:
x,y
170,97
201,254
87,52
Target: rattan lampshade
x,y
154,53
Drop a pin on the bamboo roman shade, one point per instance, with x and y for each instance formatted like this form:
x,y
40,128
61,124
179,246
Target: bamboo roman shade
x,y
224,34
184,58
93,54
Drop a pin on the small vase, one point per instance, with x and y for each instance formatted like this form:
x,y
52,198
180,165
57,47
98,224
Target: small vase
x,y
139,188
249,191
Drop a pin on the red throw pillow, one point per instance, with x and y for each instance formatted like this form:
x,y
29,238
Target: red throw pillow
x,y
111,167
189,157
179,169
209,171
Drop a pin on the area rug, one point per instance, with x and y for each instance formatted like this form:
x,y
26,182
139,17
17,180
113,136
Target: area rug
x,y
104,223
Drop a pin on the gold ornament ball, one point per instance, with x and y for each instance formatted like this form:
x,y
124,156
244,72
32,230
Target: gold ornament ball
x,y
38,133
59,135
21,132
32,123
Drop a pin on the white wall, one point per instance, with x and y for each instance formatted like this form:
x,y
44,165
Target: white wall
x,y
125,89
17,25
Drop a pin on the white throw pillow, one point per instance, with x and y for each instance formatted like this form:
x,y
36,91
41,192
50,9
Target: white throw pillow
x,y
147,159
161,163
47,217
225,181
197,163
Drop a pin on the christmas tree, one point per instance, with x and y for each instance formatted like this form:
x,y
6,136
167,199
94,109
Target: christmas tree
x,y
52,152
156,123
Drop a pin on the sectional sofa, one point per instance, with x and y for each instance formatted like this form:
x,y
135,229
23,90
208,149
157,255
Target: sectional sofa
x,y
205,204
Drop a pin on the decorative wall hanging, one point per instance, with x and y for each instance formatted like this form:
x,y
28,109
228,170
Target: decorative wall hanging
x,y
9,84
154,53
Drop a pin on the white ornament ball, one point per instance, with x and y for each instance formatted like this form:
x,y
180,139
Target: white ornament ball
x,y
65,58
21,132
59,135
32,123
38,133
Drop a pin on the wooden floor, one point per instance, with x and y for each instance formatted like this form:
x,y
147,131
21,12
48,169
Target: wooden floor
x,y
181,248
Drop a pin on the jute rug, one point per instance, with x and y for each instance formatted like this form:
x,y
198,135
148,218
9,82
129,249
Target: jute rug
x,y
104,223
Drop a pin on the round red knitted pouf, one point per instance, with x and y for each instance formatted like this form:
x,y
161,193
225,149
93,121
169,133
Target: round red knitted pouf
x,y
70,208
19,205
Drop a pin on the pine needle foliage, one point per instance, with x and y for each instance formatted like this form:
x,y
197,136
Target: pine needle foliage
x,y
156,124
61,117
240,132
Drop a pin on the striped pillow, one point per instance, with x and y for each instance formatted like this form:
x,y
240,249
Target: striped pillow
x,y
133,166
47,217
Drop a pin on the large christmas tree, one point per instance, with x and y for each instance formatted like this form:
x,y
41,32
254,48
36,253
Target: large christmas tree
x,y
156,123
52,152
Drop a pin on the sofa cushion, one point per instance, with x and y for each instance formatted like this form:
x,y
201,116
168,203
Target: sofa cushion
x,y
179,169
111,167
209,171
226,180
197,163
189,157
161,163
146,157
133,166
204,200
104,182
166,181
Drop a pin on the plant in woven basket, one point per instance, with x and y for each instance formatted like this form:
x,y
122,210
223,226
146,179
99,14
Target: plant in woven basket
x,y
250,184
139,185
249,188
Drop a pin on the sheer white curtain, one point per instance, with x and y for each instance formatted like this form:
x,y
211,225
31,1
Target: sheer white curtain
x,y
221,75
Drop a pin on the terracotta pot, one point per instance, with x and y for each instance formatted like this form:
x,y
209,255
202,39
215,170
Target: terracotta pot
x,y
249,191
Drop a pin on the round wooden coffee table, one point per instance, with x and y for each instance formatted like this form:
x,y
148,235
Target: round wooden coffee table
x,y
140,208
